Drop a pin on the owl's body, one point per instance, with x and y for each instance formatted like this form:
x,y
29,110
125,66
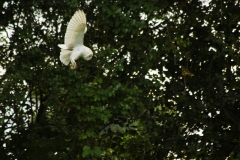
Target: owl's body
x,y
73,47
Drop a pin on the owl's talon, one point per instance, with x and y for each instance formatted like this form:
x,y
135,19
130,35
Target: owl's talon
x,y
73,66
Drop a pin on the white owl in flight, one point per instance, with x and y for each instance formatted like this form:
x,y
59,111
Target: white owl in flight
x,y
73,47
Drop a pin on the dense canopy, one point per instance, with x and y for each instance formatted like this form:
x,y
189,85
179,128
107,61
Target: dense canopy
x,y
163,82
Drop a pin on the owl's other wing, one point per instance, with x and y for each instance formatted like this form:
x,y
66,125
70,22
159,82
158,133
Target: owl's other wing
x,y
75,30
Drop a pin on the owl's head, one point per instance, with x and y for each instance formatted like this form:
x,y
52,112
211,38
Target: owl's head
x,y
88,54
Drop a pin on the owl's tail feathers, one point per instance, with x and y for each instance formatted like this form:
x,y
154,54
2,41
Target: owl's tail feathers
x,y
65,56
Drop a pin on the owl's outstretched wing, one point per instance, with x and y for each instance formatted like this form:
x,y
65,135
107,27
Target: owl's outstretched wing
x,y
75,30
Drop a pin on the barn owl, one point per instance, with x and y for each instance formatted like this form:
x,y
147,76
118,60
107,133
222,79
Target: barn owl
x,y
73,47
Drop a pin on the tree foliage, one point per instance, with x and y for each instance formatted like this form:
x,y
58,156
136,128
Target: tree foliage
x,y
163,83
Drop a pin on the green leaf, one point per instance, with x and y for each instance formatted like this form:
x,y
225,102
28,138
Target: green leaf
x,y
86,151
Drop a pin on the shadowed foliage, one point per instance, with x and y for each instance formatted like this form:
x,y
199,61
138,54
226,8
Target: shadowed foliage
x,y
163,82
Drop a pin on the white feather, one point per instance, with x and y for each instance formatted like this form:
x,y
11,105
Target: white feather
x,y
75,29
73,47
65,56
63,46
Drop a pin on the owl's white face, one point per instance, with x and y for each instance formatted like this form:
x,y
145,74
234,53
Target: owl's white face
x,y
88,54
88,57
